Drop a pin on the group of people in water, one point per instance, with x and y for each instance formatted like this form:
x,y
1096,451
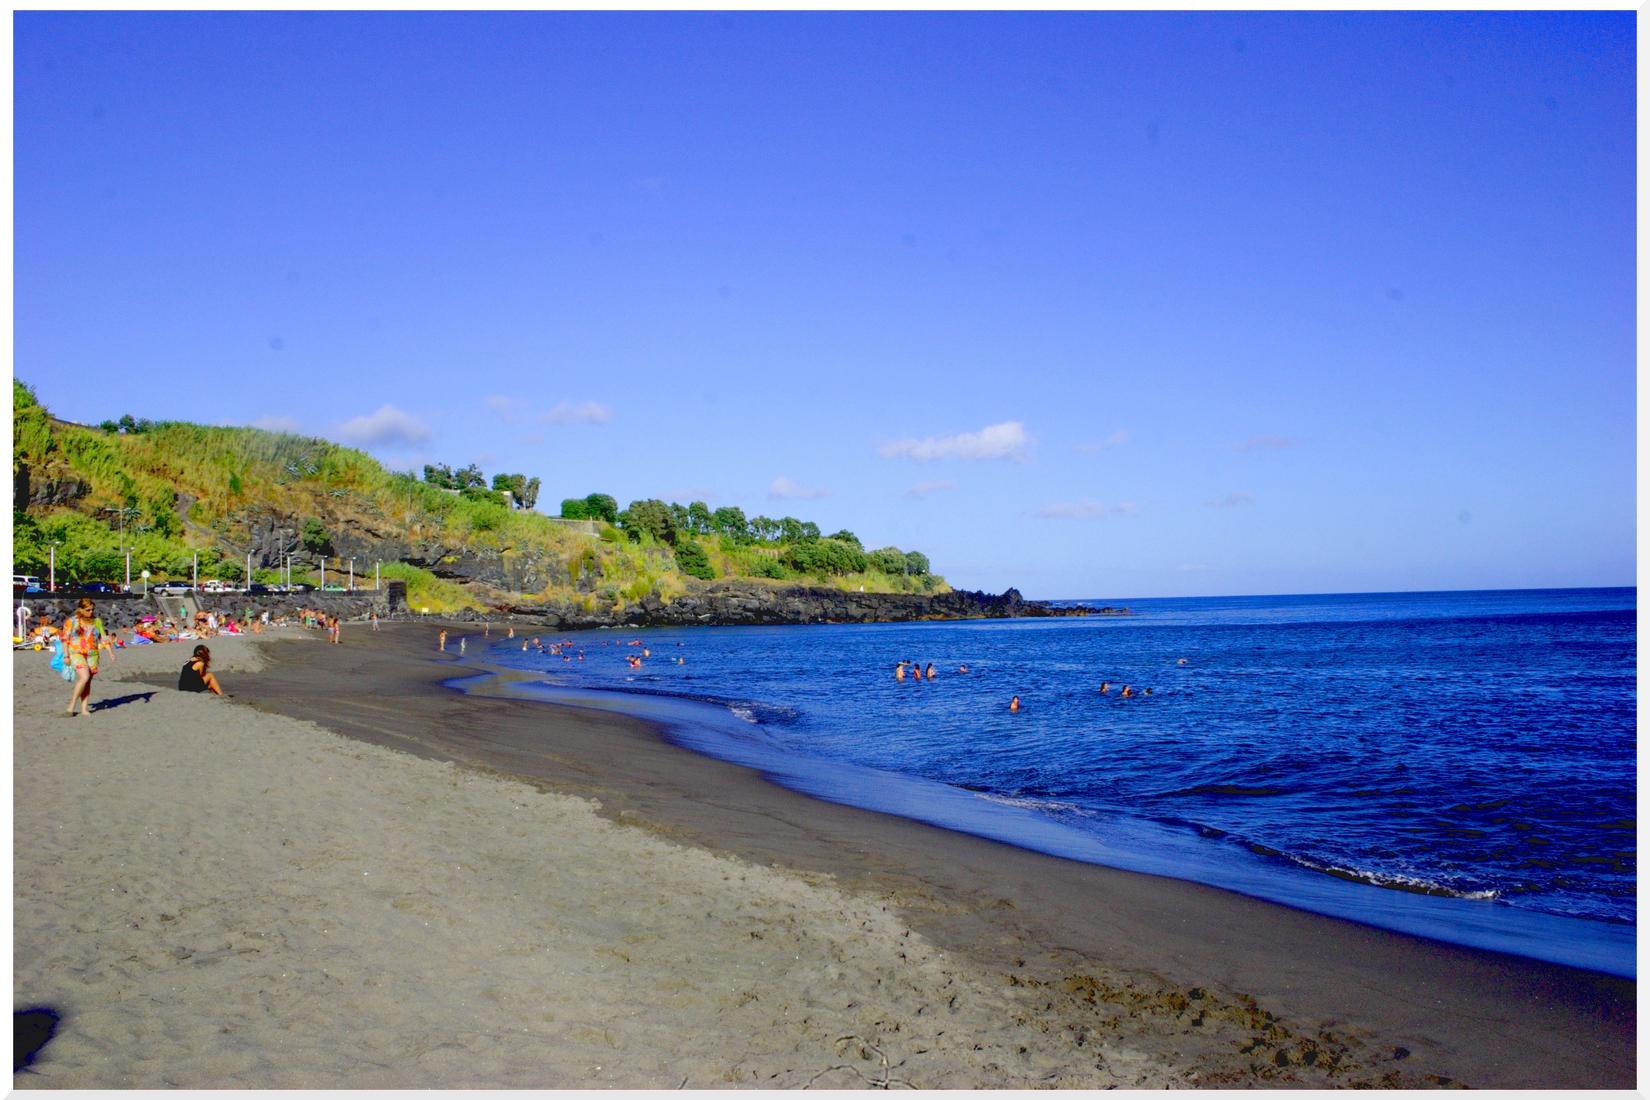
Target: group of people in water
x,y
919,671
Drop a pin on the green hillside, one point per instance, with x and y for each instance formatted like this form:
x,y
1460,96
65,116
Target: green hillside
x,y
169,491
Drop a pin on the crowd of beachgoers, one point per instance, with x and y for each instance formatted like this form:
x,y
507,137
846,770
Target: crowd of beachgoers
x,y
79,643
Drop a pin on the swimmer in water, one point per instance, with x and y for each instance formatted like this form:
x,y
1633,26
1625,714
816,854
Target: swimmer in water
x,y
899,671
929,671
1127,691
1181,661
1148,691
962,668
1014,703
1105,687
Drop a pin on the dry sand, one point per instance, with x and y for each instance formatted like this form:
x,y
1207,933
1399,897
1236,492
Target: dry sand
x,y
215,895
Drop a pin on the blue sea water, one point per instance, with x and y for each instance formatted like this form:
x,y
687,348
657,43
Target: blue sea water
x,y
1459,765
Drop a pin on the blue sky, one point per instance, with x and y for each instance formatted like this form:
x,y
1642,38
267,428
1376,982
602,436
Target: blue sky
x,y
1094,304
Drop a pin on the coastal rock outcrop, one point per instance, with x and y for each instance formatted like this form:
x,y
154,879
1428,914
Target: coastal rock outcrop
x,y
731,603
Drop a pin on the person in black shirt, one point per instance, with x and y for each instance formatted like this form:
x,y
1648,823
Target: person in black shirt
x,y
197,674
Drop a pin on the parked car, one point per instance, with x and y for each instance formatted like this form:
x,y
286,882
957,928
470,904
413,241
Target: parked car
x,y
300,587
100,588
218,587
174,588
262,589
23,583
333,588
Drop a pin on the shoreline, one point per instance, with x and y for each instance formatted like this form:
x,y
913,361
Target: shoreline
x,y
1488,1019
1178,983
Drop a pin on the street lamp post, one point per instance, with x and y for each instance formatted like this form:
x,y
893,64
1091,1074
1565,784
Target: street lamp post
x,y
145,582
51,574
352,574
129,573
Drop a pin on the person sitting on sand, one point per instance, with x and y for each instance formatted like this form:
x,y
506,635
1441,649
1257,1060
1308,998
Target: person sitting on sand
x,y
197,673
443,641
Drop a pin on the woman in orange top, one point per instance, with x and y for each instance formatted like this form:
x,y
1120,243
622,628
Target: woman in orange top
x,y
82,633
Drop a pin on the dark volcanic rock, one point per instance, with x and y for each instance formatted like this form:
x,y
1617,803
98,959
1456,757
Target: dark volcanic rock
x,y
732,603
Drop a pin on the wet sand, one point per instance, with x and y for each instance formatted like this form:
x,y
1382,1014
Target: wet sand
x,y
606,868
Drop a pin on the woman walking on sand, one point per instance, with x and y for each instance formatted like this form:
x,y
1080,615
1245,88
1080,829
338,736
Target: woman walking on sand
x,y
82,633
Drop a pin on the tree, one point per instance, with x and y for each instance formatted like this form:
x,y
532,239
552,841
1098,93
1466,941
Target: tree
x,y
529,496
469,477
679,516
850,538
889,559
602,506
731,522
692,560
440,476
574,508
810,532
127,424
916,563
314,537
699,518
109,426
790,529
650,517
764,528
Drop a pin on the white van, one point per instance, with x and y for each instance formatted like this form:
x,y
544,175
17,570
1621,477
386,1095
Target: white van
x,y
22,583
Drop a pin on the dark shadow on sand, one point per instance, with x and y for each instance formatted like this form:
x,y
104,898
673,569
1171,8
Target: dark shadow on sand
x,y
31,1029
122,700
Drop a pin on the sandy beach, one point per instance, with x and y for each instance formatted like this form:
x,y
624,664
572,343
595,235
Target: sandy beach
x,y
350,876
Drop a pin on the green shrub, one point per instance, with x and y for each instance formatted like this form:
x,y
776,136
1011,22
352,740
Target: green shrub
x,y
692,560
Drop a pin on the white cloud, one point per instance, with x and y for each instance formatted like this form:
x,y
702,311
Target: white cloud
x,y
1264,442
923,488
1006,440
278,424
783,488
585,412
1115,439
389,426
1234,500
1086,509
507,407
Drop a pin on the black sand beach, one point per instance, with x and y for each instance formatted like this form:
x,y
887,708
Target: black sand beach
x,y
1248,992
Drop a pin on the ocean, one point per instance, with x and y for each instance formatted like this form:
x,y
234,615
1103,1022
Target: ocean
x,y
1455,765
